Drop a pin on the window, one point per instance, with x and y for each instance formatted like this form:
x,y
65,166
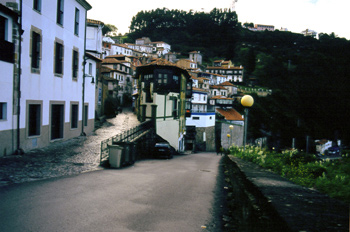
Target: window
x,y
36,48
58,58
75,64
162,78
3,28
60,8
76,22
90,69
176,79
34,119
37,5
195,118
74,116
86,111
3,110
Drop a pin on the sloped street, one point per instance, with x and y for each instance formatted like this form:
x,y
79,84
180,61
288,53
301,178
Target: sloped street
x,y
64,158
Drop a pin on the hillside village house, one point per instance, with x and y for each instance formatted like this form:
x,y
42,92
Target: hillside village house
x,y
231,88
196,57
187,64
52,74
107,43
227,69
120,72
202,122
214,79
218,90
165,91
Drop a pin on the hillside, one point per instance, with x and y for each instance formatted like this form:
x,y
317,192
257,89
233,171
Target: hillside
x,y
309,77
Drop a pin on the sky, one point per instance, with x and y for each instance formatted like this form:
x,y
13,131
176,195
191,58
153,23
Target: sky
x,y
322,16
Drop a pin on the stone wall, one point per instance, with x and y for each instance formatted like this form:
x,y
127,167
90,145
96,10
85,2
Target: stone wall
x,y
260,200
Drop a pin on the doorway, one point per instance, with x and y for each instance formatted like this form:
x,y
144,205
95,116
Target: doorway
x,y
57,121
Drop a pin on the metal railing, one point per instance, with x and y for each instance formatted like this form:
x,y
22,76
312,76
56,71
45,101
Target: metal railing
x,y
130,135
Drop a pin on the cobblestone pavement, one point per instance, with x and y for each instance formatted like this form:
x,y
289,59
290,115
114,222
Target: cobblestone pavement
x,y
64,158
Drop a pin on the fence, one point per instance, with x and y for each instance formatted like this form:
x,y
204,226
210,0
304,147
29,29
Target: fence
x,y
130,135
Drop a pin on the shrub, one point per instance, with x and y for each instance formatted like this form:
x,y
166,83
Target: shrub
x,y
330,177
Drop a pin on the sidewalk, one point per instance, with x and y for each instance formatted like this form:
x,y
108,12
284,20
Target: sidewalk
x,y
64,158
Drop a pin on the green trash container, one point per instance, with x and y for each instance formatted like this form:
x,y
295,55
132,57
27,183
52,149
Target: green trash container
x,y
115,155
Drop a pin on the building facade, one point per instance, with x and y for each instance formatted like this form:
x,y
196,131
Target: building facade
x,y
226,68
53,105
9,80
165,92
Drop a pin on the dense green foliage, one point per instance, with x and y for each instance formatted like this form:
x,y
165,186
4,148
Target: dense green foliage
x,y
309,77
213,33
330,177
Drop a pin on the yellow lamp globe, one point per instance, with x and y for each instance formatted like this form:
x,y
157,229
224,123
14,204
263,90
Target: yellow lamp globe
x,y
247,101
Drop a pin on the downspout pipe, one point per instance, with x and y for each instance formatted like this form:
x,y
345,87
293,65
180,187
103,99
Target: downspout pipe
x,y
19,150
83,85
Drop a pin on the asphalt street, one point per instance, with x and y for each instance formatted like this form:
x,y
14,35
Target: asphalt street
x,y
179,194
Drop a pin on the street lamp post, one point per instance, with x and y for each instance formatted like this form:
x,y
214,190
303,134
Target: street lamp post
x,y
247,101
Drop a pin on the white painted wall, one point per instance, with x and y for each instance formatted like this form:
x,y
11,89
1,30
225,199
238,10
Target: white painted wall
x,y
6,96
45,86
6,82
94,38
169,130
205,120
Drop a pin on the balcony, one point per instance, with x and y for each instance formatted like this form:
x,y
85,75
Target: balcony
x,y
7,51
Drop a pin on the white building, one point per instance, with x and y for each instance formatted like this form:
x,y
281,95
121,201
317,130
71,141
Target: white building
x,y
94,37
53,51
203,121
8,81
161,48
121,49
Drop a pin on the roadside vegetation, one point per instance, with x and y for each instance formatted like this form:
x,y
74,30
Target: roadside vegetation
x,y
331,177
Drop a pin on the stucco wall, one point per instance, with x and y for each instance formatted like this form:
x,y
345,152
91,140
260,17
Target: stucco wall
x,y
236,135
205,138
169,130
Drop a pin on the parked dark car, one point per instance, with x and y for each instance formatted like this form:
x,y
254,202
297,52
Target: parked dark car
x,y
333,151
163,150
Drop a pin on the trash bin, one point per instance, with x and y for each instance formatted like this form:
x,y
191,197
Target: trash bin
x,y
115,155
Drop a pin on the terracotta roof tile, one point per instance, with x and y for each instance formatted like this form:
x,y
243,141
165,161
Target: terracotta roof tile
x,y
106,69
230,114
199,90
221,97
92,21
225,67
227,83
162,62
217,87
110,60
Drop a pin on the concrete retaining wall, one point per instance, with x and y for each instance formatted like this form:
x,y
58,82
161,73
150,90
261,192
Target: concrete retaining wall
x,y
263,201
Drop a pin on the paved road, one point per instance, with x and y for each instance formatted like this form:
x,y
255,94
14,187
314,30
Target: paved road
x,y
153,195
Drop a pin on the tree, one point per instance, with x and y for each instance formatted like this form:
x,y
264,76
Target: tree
x,y
109,28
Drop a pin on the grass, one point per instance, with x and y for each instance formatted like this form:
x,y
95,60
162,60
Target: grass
x,y
331,177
